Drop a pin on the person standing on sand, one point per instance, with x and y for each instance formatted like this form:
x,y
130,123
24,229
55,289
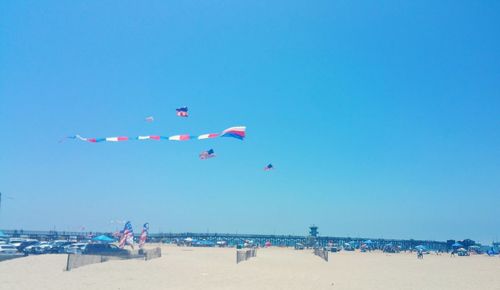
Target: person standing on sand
x,y
420,254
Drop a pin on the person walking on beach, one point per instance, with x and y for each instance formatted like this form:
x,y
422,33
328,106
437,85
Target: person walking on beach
x,y
420,254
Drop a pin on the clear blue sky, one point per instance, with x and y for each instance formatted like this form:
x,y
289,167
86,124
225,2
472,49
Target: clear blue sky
x,y
382,118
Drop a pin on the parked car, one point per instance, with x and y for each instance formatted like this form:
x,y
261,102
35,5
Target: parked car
x,y
37,249
58,247
25,244
16,241
8,249
75,248
334,249
104,250
299,246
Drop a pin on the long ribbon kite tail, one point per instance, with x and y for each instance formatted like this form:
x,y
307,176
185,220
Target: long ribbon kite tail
x,y
235,132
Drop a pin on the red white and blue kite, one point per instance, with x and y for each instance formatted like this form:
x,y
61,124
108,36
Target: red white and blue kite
x,y
182,112
235,132
144,235
207,154
127,236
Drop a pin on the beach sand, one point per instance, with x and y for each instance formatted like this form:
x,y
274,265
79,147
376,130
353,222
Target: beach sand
x,y
273,268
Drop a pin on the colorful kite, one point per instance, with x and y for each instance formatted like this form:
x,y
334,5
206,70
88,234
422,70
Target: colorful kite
x,y
182,112
150,119
235,132
269,167
144,235
207,154
127,236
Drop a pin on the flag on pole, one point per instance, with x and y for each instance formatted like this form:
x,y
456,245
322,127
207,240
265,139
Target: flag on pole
x,y
127,237
144,235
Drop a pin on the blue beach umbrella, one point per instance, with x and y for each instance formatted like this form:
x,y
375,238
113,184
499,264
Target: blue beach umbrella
x,y
103,239
368,242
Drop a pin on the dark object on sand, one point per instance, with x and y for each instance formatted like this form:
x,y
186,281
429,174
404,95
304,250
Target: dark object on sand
x,y
105,250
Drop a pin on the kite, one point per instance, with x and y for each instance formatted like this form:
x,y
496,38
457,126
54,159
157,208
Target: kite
x,y
207,154
144,235
235,132
127,236
269,167
150,119
182,112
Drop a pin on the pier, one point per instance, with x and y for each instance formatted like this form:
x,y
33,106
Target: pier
x,y
234,239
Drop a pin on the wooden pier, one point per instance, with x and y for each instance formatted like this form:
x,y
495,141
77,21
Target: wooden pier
x,y
235,239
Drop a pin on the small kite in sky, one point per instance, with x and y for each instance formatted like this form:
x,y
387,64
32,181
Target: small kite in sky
x,y
182,112
150,119
269,167
207,154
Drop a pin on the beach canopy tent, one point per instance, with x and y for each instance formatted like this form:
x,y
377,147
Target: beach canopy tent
x,y
368,243
103,239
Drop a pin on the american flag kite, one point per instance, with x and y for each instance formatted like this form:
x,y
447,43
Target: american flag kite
x,y
207,154
182,112
268,167
144,235
127,236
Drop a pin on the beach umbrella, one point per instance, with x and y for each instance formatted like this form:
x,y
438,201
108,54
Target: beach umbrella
x,y
457,245
103,239
420,247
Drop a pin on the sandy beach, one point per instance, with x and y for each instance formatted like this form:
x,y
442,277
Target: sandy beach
x,y
273,268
